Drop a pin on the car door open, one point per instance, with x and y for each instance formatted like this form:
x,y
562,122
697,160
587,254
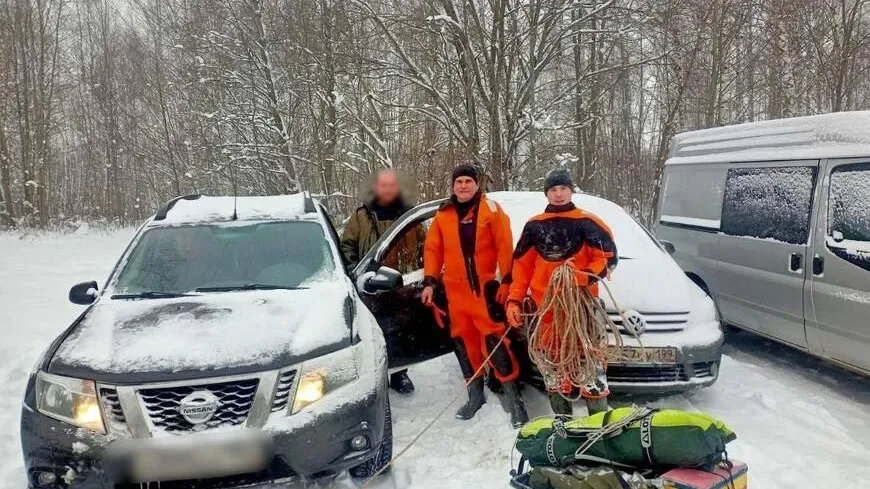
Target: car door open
x,y
410,329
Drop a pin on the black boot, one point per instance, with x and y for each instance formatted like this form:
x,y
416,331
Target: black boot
x,y
595,406
401,383
475,400
492,383
596,393
519,417
560,405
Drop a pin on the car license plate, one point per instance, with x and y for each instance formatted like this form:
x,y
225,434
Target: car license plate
x,y
632,354
196,456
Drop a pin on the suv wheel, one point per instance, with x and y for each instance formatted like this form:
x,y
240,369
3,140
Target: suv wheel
x,y
383,455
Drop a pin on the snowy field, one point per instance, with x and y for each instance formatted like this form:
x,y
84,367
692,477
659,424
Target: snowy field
x,y
800,422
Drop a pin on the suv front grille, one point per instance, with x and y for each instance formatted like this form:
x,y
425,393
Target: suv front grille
x,y
282,390
112,405
235,399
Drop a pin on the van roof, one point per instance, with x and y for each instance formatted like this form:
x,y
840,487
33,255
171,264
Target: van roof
x,y
837,135
196,209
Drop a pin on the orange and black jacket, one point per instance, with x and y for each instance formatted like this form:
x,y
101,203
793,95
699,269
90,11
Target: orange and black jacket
x,y
561,233
468,248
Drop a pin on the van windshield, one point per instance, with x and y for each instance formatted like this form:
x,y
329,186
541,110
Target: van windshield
x,y
274,255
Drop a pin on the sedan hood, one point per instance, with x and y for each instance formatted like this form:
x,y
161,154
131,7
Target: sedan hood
x,y
149,340
651,284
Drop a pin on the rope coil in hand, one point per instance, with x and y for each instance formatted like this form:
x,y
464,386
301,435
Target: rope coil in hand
x,y
571,335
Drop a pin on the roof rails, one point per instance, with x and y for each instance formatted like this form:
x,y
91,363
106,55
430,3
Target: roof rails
x,y
309,203
165,208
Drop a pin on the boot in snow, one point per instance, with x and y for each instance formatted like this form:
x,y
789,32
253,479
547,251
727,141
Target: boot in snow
x,y
519,417
401,383
475,400
560,405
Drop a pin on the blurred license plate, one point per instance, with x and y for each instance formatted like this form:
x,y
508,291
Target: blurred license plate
x,y
196,456
647,355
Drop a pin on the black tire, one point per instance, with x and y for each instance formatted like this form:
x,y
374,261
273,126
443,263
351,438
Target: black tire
x,y
383,454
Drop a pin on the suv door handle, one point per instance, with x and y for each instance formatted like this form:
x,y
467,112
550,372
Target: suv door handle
x,y
796,262
818,265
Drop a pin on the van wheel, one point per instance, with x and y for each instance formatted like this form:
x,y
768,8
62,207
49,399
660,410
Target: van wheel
x,y
383,455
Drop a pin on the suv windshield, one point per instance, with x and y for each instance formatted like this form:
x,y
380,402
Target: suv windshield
x,y
175,260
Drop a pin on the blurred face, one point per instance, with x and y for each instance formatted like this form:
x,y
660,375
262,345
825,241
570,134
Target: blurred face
x,y
464,188
559,195
386,187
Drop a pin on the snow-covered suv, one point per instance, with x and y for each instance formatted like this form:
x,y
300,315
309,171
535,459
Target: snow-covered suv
x,y
229,347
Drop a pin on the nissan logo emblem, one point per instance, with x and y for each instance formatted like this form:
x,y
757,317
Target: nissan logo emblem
x,y
198,407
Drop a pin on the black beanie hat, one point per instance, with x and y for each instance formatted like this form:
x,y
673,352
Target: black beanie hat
x,y
465,171
558,176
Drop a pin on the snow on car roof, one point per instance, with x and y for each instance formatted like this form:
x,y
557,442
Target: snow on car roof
x,y
837,135
216,209
631,239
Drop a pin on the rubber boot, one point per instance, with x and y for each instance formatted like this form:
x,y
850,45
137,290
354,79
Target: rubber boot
x,y
519,417
401,383
595,406
560,405
596,394
492,383
476,400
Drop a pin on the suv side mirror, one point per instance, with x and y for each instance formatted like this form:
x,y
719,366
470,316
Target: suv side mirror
x,y
668,246
384,280
84,293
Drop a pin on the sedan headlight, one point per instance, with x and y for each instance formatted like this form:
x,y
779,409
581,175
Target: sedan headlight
x,y
70,400
325,374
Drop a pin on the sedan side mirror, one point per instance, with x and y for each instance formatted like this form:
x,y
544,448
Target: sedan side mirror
x,y
384,280
84,293
668,246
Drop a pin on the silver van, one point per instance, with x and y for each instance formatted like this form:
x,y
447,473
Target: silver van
x,y
772,219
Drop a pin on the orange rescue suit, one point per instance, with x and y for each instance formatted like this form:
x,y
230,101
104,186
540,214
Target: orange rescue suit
x,y
464,253
560,234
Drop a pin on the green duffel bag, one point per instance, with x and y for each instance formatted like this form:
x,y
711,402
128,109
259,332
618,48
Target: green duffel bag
x,y
627,437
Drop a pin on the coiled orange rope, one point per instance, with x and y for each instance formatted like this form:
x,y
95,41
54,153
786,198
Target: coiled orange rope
x,y
571,336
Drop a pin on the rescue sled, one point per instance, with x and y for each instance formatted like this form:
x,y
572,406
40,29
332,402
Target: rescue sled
x,y
627,448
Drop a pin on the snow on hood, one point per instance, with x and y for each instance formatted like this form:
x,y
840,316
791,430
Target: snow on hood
x,y
650,284
232,331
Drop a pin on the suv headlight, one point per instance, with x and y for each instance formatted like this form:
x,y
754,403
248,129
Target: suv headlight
x,y
325,374
70,400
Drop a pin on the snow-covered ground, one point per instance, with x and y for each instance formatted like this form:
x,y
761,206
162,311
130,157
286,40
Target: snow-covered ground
x,y
800,422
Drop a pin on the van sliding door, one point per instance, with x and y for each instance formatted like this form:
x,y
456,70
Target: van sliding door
x,y
763,248
840,283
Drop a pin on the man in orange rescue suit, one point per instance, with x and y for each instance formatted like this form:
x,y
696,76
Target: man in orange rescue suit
x,y
562,233
469,238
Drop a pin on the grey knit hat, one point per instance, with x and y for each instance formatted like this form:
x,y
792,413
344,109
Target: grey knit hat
x,y
558,176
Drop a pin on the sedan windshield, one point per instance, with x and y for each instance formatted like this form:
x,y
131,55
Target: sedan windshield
x,y
170,261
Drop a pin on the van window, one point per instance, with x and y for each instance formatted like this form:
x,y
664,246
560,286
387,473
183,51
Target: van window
x,y
849,214
769,203
692,197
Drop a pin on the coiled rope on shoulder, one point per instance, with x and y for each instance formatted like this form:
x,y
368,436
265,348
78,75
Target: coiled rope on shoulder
x,y
571,334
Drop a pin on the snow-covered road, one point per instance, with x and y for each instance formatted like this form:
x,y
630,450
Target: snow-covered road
x,y
800,422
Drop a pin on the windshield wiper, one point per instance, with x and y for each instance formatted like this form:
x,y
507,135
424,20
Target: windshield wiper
x,y
151,294
230,288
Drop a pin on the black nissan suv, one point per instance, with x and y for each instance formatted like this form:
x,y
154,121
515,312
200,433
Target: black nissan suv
x,y
229,347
